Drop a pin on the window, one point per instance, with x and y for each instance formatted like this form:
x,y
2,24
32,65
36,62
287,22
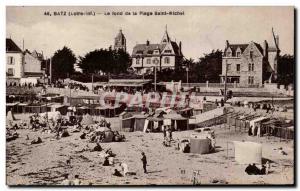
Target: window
x,y
228,67
148,61
155,61
251,55
251,67
238,54
167,60
228,53
10,71
250,80
238,67
10,60
137,61
168,51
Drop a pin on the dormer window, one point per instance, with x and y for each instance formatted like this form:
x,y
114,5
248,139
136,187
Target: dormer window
x,y
238,54
137,61
228,53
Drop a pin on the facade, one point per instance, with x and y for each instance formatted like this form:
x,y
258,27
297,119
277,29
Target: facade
x,y
22,67
250,64
120,41
166,54
33,64
14,60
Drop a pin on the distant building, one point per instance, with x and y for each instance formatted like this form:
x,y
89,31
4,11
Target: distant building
x,y
120,41
14,60
166,54
250,64
33,64
22,67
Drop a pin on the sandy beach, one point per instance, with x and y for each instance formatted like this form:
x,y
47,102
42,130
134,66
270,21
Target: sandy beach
x,y
45,163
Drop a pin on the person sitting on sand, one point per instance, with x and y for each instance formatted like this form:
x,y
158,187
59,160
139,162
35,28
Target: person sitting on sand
x,y
106,162
252,170
117,173
97,147
124,167
65,133
37,141
110,153
263,170
82,136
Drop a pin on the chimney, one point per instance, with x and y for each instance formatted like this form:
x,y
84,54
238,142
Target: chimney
x,y
147,42
227,44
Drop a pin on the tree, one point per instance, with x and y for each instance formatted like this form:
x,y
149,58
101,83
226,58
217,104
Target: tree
x,y
285,68
105,60
208,68
63,63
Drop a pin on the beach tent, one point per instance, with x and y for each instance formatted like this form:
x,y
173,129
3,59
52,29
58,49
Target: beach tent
x,y
154,124
139,121
255,122
87,120
127,124
12,107
126,121
200,145
58,107
247,152
177,121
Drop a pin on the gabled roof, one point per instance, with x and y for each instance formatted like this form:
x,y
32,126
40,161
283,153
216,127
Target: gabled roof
x,y
234,47
11,46
175,48
259,48
147,49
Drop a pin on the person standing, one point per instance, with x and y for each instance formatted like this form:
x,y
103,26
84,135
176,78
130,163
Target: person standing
x,y
144,160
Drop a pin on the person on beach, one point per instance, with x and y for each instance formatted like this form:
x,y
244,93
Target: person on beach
x,y
106,162
124,167
144,161
117,173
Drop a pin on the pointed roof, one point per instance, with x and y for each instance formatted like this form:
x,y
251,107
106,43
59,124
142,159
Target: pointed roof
x,y
166,37
120,35
11,46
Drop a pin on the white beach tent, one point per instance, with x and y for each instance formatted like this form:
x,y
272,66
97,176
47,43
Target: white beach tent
x,y
247,152
253,122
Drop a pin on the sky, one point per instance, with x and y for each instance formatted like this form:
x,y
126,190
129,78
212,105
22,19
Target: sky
x,y
200,29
